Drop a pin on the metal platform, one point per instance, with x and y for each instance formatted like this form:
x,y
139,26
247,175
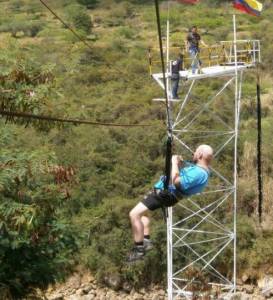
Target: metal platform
x,y
207,72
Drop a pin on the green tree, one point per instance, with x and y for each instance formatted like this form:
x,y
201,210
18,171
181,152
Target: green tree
x,y
79,18
27,86
35,245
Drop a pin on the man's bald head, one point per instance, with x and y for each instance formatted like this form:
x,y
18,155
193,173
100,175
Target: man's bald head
x,y
203,153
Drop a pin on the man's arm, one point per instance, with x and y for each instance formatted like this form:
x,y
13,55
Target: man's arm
x,y
176,163
186,44
203,43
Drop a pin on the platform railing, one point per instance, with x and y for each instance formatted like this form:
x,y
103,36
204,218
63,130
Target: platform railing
x,y
248,53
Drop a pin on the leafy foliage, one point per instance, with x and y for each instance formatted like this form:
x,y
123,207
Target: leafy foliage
x,y
30,29
36,246
26,86
79,18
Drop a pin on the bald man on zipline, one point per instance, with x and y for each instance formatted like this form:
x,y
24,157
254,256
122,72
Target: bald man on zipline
x,y
187,178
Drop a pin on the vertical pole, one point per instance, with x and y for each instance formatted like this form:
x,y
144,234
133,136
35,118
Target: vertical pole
x,y
236,115
169,219
168,52
239,96
168,36
254,51
167,58
168,64
168,69
259,147
169,254
259,51
150,61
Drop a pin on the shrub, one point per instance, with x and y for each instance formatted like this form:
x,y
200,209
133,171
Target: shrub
x,y
79,18
30,29
126,32
88,3
14,27
35,246
34,28
16,5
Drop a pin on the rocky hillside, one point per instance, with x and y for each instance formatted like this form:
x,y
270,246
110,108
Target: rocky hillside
x,y
83,286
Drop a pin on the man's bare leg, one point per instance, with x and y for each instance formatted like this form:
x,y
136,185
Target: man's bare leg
x,y
146,223
138,226
148,245
138,232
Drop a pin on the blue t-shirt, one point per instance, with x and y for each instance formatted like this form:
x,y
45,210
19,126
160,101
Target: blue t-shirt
x,y
193,180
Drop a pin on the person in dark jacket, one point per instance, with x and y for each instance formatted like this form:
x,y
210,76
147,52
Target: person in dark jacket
x,y
176,67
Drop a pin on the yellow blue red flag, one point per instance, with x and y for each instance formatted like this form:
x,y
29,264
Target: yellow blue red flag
x,y
252,7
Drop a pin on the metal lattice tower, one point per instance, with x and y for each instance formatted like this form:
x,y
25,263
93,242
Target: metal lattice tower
x,y
201,230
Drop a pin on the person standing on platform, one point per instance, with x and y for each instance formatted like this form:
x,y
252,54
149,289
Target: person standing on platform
x,y
176,67
192,45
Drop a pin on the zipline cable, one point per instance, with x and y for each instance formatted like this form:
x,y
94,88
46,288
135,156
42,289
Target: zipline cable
x,y
63,120
168,163
163,66
259,148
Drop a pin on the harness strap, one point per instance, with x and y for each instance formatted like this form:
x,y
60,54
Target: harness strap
x,y
168,167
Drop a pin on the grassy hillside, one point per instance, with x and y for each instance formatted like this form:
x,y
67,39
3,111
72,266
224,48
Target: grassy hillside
x,y
66,190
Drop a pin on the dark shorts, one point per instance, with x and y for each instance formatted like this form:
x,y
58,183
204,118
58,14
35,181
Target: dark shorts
x,y
161,199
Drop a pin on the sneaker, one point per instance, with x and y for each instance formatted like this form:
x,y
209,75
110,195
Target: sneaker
x,y
148,244
137,253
